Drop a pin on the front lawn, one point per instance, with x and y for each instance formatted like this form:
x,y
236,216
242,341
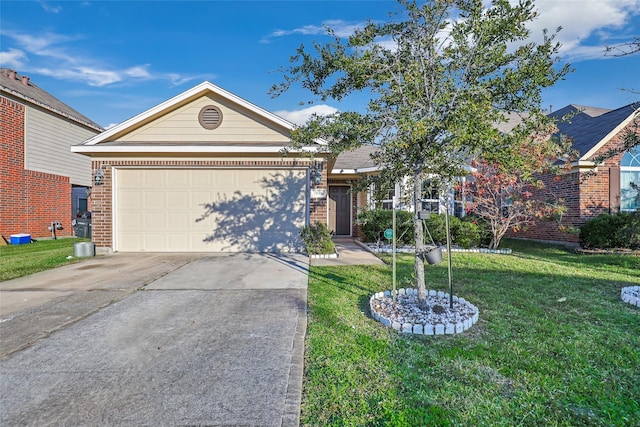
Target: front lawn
x,y
22,260
554,346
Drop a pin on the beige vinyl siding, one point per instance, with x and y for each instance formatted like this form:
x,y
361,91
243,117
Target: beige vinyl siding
x,y
181,124
45,152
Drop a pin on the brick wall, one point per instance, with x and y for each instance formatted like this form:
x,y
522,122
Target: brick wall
x,y
586,194
100,200
29,200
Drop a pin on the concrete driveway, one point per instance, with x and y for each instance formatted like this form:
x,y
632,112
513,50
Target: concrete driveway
x,y
207,340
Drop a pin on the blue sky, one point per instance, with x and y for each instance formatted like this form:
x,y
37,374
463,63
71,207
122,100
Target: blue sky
x,y
112,60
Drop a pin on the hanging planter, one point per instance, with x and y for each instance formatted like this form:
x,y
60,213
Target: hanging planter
x,y
434,256
431,253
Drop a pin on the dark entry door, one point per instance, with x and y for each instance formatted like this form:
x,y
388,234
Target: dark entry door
x,y
340,210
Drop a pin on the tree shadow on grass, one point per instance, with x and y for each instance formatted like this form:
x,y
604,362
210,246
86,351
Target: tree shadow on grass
x,y
265,222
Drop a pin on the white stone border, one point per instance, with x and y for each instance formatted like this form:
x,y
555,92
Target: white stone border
x,y
627,295
425,329
408,250
323,256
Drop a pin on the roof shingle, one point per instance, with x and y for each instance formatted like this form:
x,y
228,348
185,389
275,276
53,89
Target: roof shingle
x,y
22,87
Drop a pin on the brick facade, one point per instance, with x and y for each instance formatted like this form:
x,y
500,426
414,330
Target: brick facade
x,y
29,200
100,200
587,194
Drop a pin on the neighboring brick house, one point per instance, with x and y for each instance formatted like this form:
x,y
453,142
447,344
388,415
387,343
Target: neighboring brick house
x,y
41,181
591,189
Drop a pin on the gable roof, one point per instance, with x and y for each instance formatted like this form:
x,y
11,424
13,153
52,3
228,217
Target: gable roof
x,y
355,161
106,141
590,127
22,87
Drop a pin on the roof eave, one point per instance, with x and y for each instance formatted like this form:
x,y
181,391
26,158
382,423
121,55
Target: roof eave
x,y
610,135
183,149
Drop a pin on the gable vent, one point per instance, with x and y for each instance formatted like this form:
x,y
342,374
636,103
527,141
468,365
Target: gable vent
x,y
210,117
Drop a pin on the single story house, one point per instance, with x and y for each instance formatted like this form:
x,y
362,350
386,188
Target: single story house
x,y
203,171
41,181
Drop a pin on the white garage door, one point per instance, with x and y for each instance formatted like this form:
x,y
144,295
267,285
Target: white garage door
x,y
209,210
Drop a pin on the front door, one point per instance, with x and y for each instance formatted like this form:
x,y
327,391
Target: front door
x,y
340,210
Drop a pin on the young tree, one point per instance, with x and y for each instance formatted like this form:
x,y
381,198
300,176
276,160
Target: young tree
x,y
440,75
506,191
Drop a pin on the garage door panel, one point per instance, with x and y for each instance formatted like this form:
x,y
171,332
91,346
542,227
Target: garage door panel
x,y
154,221
201,178
177,199
209,210
154,178
154,199
133,242
201,198
177,178
179,242
130,199
178,220
154,240
130,221
226,178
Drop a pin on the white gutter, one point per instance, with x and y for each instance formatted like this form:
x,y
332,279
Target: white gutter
x,y
354,171
99,149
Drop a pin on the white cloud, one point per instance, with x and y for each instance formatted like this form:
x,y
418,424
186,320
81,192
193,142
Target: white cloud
x,y
299,117
588,26
55,55
50,9
13,58
138,71
341,28
91,76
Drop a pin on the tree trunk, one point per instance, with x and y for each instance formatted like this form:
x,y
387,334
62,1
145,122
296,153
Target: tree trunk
x,y
419,237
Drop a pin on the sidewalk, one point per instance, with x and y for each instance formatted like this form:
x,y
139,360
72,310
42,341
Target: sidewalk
x,y
349,253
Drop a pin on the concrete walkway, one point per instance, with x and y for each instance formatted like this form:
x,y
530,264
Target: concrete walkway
x,y
349,253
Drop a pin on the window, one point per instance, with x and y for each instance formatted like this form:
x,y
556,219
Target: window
x,y
630,180
387,202
430,196
433,202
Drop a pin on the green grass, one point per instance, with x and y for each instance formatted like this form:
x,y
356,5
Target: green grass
x,y
531,360
22,260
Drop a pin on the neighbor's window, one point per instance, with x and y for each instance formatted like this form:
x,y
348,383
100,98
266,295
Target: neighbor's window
x,y
430,196
630,178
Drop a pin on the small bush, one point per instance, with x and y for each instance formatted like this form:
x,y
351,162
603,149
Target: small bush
x,y
374,222
464,233
483,230
317,239
606,231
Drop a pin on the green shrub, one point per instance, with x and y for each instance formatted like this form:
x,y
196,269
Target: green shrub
x,y
374,222
317,239
484,231
621,230
464,233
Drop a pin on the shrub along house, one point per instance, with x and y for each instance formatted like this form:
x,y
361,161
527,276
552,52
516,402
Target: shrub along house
x,y
41,181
